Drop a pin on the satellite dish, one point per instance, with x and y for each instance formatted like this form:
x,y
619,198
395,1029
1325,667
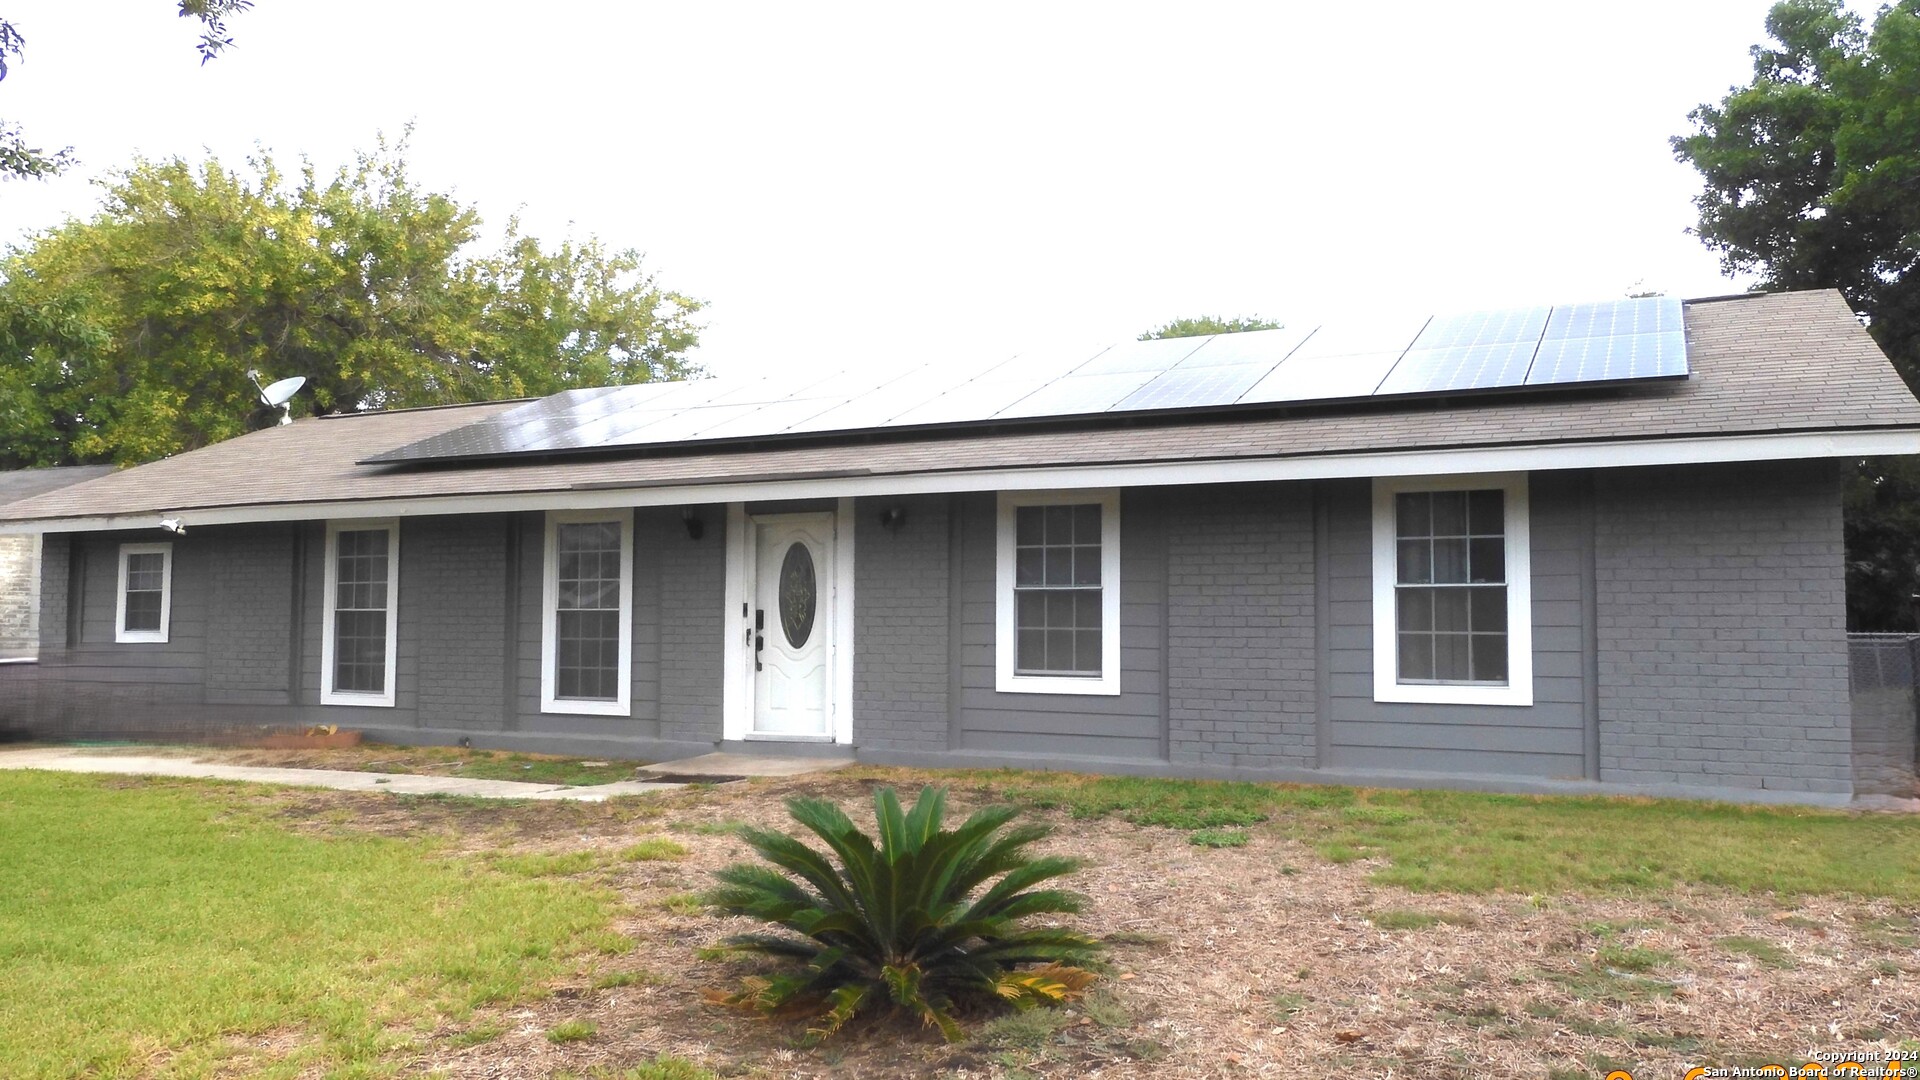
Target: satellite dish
x,y
279,393
276,395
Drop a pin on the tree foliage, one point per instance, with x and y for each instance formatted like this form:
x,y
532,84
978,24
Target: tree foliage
x,y
898,923
1812,180
127,337
1208,325
19,160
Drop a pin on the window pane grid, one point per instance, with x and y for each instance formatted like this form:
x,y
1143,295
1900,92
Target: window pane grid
x,y
1059,600
587,611
1450,587
360,602
146,585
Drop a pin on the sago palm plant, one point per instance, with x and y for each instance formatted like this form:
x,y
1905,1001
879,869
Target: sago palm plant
x,y
898,921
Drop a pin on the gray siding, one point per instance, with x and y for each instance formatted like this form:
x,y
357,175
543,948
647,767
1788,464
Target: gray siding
x,y
1722,627
1548,739
693,625
1240,626
903,633
1127,726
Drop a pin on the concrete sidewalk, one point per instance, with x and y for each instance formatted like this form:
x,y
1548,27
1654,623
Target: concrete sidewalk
x,y
63,759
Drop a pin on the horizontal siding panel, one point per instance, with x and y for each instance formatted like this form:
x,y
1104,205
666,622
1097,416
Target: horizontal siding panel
x,y
1516,738
1459,762
1061,744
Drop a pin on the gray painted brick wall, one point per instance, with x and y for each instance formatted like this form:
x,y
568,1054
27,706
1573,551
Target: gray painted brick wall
x,y
1722,627
902,648
1240,627
692,598
250,615
453,593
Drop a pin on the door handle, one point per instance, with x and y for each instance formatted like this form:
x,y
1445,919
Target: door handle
x,y
759,639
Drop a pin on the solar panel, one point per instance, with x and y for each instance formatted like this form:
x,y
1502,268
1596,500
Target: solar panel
x,y
1609,359
1610,341
1483,328
1192,387
1309,378
1613,318
1472,367
1077,395
1149,356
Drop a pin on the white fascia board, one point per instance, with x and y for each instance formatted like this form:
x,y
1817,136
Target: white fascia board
x,y
1436,462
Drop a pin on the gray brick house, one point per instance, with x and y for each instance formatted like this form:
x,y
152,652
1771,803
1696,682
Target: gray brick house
x,y
1588,548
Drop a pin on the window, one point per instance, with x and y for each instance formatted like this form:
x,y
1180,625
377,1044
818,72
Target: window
x,y
362,606
1452,591
1058,595
587,646
144,607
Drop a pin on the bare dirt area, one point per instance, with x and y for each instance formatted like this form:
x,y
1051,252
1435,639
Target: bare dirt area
x,y
1262,960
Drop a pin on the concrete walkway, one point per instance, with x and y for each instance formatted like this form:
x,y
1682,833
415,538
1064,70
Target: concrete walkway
x,y
63,759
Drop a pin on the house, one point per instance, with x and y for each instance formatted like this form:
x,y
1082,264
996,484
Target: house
x,y
1588,548
20,559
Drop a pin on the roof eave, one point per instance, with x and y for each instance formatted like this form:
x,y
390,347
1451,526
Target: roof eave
x,y
1428,461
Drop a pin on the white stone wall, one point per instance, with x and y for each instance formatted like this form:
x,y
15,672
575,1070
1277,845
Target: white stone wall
x,y
19,595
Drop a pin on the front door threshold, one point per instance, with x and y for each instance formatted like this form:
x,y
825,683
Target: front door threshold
x,y
756,736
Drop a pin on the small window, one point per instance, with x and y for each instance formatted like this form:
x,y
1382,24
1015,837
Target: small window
x,y
358,651
145,605
1059,593
1451,591
588,638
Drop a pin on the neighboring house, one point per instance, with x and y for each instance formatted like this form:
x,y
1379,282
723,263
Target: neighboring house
x,y
1592,549
20,558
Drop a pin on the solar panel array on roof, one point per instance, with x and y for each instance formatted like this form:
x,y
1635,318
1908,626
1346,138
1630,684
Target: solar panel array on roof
x,y
1612,341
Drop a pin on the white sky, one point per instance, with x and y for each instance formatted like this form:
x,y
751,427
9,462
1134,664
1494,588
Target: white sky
x,y
879,183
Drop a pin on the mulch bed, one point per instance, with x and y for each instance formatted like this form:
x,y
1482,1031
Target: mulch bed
x,y
1263,960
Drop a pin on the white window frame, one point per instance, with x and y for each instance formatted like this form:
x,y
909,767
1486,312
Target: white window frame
x,y
1006,681
120,632
550,702
330,601
1387,686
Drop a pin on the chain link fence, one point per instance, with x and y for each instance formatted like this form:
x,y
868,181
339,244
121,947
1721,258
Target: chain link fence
x,y
1886,722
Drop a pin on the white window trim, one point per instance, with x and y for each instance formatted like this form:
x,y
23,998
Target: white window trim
x,y
120,632
550,702
331,597
1005,680
1386,653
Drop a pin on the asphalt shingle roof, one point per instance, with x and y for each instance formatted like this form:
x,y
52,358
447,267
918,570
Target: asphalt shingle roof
x,y
1767,363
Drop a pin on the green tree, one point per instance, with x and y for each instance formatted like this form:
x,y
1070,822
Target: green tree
x,y
1207,325
127,337
1812,180
18,160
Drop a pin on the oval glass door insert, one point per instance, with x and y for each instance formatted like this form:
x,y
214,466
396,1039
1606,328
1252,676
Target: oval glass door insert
x,y
798,594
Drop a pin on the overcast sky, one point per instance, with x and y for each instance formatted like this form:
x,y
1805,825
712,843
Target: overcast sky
x,y
876,183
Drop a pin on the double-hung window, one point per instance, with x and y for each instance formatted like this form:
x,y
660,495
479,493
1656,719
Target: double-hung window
x,y
1058,593
358,651
144,607
587,645
1452,619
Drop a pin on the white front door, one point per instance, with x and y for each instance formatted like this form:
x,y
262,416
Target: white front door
x,y
793,624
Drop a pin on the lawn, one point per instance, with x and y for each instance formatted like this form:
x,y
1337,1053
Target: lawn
x,y
179,929
1256,928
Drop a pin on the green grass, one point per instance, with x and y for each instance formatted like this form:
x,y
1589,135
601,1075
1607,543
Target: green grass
x,y
568,1031
656,849
1219,838
1631,957
160,922
1453,841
